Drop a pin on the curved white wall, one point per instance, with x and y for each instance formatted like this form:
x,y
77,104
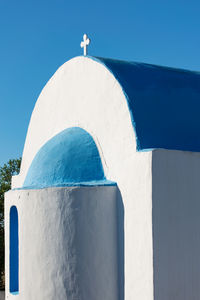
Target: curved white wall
x,y
68,243
84,93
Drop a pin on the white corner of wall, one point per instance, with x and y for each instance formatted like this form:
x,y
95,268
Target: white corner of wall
x,y
15,181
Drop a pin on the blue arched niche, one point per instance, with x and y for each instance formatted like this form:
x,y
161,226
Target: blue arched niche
x,y
69,158
14,251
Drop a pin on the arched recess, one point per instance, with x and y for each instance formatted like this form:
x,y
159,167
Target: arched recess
x,y
14,251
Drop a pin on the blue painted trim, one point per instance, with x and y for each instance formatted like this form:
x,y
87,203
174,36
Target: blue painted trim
x,y
80,184
14,251
146,150
15,293
70,158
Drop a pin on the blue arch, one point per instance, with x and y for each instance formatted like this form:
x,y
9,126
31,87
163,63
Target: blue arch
x,y
14,251
69,158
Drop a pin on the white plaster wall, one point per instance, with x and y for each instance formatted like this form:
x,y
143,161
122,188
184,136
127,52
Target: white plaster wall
x,y
68,243
84,93
176,224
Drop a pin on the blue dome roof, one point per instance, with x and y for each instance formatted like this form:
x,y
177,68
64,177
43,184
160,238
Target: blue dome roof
x,y
69,158
164,104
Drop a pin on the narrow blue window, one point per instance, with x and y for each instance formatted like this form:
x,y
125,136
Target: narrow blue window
x,y
14,251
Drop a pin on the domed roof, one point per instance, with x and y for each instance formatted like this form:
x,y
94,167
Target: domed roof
x,y
69,158
164,104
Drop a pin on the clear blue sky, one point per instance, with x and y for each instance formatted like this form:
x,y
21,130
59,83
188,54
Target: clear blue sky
x,y
36,37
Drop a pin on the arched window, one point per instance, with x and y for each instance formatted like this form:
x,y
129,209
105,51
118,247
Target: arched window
x,y
14,251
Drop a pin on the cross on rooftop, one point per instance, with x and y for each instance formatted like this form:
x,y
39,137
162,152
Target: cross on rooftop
x,y
85,43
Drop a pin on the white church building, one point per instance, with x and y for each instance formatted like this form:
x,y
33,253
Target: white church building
x,y
107,202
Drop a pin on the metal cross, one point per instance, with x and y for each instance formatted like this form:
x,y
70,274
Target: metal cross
x,y
86,41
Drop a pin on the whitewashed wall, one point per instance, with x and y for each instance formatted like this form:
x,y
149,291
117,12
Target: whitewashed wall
x,y
68,243
84,93
176,224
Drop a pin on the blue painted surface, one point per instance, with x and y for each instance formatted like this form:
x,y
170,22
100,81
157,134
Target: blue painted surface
x,y
164,104
15,293
14,251
68,184
69,158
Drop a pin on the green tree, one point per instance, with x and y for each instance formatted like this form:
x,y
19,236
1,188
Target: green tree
x,y
6,173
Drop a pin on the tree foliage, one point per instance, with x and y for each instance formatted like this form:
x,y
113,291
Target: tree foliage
x,y
6,173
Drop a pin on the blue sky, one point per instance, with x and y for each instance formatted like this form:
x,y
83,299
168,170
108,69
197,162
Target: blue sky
x,y
36,37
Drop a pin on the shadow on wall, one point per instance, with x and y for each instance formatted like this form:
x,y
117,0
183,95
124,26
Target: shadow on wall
x,y
120,222
176,224
96,244
2,295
